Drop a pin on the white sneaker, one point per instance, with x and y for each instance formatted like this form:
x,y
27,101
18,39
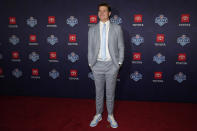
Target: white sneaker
x,y
112,121
96,120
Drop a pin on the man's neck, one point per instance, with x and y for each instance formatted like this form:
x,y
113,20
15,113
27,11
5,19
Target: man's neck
x,y
104,20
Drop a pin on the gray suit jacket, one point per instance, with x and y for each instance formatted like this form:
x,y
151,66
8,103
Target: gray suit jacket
x,y
115,44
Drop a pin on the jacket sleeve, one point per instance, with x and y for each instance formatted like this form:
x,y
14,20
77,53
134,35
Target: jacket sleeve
x,y
121,46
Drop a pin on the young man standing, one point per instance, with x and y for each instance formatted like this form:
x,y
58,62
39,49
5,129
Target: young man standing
x,y
105,57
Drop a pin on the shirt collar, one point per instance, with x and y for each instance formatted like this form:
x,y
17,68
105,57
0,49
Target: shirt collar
x,y
107,22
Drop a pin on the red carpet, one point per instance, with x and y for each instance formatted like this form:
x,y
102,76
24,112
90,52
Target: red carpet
x,y
22,113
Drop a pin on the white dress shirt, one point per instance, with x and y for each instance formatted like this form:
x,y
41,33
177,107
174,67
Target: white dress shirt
x,y
108,57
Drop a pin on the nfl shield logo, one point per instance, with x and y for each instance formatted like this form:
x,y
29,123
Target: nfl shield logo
x,y
52,40
183,40
115,19
31,22
161,20
159,58
180,77
14,39
137,40
72,21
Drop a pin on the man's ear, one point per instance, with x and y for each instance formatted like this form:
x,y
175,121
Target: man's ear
x,y
109,13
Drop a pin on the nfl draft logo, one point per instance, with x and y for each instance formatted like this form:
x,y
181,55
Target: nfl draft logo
x,y
14,40
183,40
72,21
17,73
137,40
161,20
54,74
73,57
115,19
136,76
180,77
159,58
31,22
91,76
185,20
52,40
34,56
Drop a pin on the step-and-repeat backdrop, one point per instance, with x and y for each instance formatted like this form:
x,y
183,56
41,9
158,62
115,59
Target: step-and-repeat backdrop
x,y
43,48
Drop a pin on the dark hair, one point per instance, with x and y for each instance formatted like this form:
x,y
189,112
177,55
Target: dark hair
x,y
105,4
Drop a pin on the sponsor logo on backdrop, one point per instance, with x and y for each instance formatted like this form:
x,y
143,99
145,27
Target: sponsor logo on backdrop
x,y
181,59
92,20
54,74
15,57
91,76
137,40
12,22
51,21
116,19
33,40
31,22
72,39
52,40
136,76
185,20
160,41
73,57
136,58
53,57
73,75
158,77
161,20
34,56
138,20
35,74
159,58
183,40
1,73
14,40
180,77
72,21
17,73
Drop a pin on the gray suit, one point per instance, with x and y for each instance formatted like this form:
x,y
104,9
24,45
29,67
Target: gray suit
x,y
105,71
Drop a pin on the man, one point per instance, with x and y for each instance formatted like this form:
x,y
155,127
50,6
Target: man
x,y
105,57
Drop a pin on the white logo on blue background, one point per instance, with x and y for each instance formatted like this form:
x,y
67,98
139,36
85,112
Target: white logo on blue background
x,y
137,40
159,58
73,57
31,22
180,77
115,19
17,73
52,40
161,20
34,56
183,40
14,39
136,76
72,21
54,74
90,75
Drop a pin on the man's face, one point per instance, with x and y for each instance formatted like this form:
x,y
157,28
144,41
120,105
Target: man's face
x,y
103,13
